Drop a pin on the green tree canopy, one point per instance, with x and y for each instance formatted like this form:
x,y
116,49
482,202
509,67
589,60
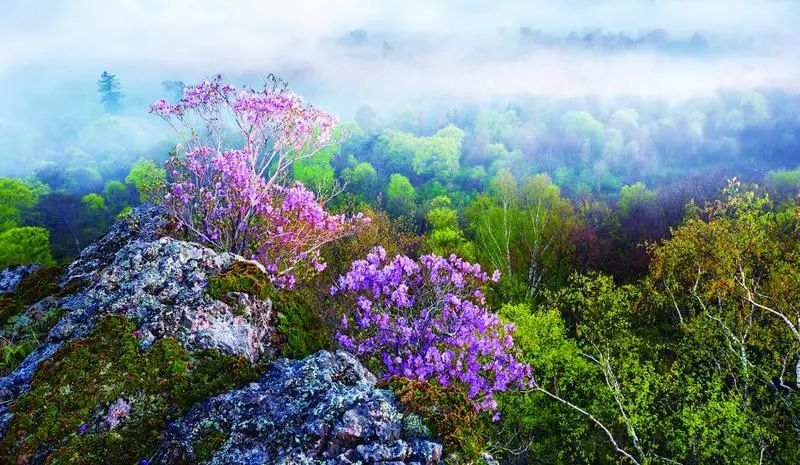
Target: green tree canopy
x,y
146,177
316,172
15,198
400,195
522,230
586,128
25,245
446,237
117,195
439,154
108,87
364,180
633,197
94,202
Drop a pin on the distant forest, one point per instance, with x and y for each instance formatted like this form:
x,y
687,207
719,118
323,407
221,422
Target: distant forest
x,y
623,168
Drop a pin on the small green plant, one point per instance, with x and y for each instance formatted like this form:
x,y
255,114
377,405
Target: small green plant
x,y
22,335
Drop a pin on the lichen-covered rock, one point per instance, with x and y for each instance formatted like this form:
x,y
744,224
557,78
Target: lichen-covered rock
x,y
324,409
161,284
144,223
10,277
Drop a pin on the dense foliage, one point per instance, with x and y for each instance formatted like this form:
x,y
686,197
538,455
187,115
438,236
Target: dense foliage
x,y
447,410
693,363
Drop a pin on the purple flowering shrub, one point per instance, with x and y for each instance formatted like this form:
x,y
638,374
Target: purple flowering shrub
x,y
238,199
427,321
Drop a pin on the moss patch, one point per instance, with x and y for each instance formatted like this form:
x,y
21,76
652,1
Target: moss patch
x,y
208,441
301,330
38,285
447,411
240,277
31,289
22,331
63,418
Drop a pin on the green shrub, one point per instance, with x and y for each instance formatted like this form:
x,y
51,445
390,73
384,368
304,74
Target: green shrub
x,y
19,339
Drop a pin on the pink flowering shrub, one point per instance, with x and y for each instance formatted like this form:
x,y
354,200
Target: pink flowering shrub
x,y
237,199
427,320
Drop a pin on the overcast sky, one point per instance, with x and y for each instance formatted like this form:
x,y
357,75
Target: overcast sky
x,y
402,49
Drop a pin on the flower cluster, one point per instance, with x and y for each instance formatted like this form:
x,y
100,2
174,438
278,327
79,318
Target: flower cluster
x,y
238,200
427,320
276,126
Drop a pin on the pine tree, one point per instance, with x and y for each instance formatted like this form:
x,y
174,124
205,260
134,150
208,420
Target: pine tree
x,y
108,87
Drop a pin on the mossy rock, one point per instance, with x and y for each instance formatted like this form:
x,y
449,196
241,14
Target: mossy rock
x,y
22,332
36,286
32,288
241,276
64,417
300,329
448,412
207,443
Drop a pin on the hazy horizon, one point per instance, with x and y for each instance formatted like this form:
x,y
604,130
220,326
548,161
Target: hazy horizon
x,y
343,55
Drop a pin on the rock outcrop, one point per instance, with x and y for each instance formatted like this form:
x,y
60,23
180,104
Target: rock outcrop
x,y
144,224
160,283
323,409
10,277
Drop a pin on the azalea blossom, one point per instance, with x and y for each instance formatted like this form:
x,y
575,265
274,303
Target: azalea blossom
x,y
426,320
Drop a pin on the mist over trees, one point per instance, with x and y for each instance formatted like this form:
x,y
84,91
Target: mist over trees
x,y
559,232
642,159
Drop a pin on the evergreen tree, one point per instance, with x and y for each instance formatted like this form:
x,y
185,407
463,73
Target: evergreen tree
x,y
108,87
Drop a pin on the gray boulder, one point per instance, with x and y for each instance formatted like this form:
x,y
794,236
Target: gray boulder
x,y
10,277
145,223
162,284
324,409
